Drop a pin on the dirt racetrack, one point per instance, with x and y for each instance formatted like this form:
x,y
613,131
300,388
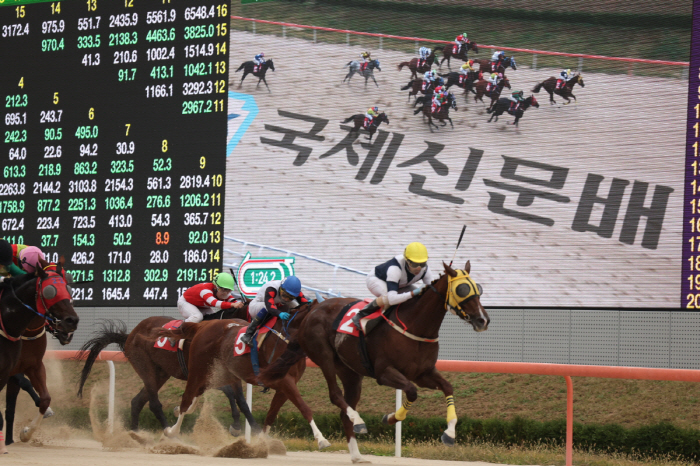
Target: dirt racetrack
x,y
83,452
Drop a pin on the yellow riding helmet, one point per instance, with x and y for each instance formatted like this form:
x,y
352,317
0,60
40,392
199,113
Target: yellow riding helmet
x,y
416,253
465,66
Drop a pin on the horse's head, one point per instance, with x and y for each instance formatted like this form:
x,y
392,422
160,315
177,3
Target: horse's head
x,y
53,299
532,101
452,101
270,64
579,79
463,298
505,82
383,117
473,46
375,64
510,61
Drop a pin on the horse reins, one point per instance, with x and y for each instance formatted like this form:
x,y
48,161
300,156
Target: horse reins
x,y
46,315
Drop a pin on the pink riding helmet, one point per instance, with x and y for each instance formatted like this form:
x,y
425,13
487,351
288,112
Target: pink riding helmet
x,y
29,257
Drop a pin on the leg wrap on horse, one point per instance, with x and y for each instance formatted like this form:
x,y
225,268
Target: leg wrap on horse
x,y
451,412
401,413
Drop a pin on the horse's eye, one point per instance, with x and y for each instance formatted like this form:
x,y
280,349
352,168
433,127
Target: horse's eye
x,y
463,290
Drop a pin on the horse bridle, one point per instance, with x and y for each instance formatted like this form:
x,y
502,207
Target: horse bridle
x,y
458,311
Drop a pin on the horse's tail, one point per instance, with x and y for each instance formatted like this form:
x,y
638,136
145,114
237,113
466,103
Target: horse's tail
x,y
281,366
349,119
111,332
407,86
186,331
348,64
402,64
538,87
439,47
241,67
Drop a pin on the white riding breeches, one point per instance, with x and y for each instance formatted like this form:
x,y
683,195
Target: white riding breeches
x,y
378,288
192,313
254,307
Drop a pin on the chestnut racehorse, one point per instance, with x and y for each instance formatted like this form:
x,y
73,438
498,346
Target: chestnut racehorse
x,y
398,354
415,69
504,104
359,121
416,86
27,300
32,365
219,342
487,66
447,52
565,91
494,93
156,366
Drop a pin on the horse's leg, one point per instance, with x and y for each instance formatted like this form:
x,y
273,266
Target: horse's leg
x,y
243,406
37,376
137,404
375,81
391,377
245,73
291,392
152,382
10,404
235,428
265,81
436,381
451,124
196,385
3,448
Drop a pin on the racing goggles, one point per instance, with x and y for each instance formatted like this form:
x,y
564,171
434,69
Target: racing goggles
x,y
415,265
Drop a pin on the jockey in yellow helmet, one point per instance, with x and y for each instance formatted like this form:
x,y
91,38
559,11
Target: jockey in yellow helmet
x,y
392,282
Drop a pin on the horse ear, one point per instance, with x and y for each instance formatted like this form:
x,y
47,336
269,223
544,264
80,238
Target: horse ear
x,y
449,270
468,267
40,272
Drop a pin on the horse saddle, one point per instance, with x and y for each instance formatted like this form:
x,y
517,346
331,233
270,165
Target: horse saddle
x,y
343,322
241,348
169,344
363,66
367,123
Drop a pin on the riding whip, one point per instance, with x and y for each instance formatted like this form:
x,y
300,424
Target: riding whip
x,y
245,298
461,235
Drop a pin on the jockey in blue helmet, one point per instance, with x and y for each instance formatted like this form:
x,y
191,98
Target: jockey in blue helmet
x,y
274,298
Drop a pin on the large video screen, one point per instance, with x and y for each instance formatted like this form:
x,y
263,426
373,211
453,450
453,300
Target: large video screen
x,y
133,147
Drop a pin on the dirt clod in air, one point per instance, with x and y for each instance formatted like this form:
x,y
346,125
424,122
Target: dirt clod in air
x,y
170,447
275,447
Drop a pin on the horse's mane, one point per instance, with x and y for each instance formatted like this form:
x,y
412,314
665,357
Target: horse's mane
x,y
19,281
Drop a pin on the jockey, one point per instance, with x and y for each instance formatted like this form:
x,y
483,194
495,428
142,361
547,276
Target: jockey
x,y
429,76
516,98
208,298
29,257
259,59
9,259
563,78
493,80
393,280
366,57
371,113
439,97
465,69
275,298
460,40
424,53
498,56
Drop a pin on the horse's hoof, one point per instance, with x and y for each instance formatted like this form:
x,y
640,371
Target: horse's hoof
x,y
26,434
385,420
447,440
176,411
169,432
360,428
323,444
134,435
233,431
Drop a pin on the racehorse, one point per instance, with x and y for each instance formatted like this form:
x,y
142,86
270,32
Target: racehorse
x,y
465,82
355,67
415,69
359,121
31,364
447,52
565,91
487,66
442,113
397,354
156,366
416,86
248,68
503,105
44,294
221,341
494,93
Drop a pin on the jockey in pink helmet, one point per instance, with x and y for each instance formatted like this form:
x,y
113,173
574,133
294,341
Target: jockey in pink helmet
x,y
29,257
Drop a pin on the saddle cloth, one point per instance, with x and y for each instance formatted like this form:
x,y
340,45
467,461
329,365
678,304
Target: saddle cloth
x,y
255,68
240,348
164,342
343,323
425,85
454,49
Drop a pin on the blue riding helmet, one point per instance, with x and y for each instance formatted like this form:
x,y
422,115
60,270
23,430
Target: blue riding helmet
x,y
291,285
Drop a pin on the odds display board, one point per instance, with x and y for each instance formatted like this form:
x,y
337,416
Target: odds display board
x,y
114,141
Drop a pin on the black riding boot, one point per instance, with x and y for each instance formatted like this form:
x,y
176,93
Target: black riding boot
x,y
364,312
250,331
